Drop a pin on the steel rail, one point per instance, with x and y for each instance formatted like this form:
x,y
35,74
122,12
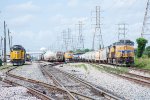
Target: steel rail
x,y
30,90
78,95
102,92
81,96
40,83
142,70
46,85
132,77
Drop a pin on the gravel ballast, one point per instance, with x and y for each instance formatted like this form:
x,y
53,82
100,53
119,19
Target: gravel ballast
x,y
15,93
117,85
30,71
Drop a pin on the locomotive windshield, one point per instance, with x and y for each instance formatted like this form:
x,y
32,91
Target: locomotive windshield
x,y
124,42
17,47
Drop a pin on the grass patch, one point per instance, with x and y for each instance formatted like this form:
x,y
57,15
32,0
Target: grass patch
x,y
143,63
117,70
79,66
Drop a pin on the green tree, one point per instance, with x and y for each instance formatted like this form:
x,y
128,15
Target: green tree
x,y
86,50
141,46
78,51
147,51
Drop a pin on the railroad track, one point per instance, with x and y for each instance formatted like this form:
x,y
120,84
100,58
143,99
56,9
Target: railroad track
x,y
142,80
30,90
41,90
142,70
72,83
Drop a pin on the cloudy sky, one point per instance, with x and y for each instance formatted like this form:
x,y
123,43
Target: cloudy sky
x,y
39,23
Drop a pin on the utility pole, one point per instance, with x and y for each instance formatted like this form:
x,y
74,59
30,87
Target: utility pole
x,y
97,28
5,59
122,30
9,39
145,27
80,36
1,47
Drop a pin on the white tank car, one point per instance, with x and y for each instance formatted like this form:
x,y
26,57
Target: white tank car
x,y
50,56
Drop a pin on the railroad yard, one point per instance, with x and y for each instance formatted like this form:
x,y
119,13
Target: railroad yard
x,y
75,50
83,81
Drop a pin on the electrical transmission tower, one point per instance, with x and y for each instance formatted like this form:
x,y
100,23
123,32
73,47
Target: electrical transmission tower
x,y
146,22
64,40
97,28
122,31
67,39
80,36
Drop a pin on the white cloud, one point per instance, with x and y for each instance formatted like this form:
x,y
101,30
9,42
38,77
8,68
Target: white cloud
x,y
63,22
123,3
22,20
27,6
72,3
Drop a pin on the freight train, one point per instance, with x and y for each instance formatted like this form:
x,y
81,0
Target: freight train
x,y
17,55
119,53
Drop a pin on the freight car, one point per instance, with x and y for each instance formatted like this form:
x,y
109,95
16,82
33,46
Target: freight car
x,y
17,55
60,56
49,56
53,56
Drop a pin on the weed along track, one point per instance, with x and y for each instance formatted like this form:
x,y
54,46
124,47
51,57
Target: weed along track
x,y
75,84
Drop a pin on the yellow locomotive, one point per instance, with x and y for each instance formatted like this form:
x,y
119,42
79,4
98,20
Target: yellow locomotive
x,y
121,53
17,55
68,56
